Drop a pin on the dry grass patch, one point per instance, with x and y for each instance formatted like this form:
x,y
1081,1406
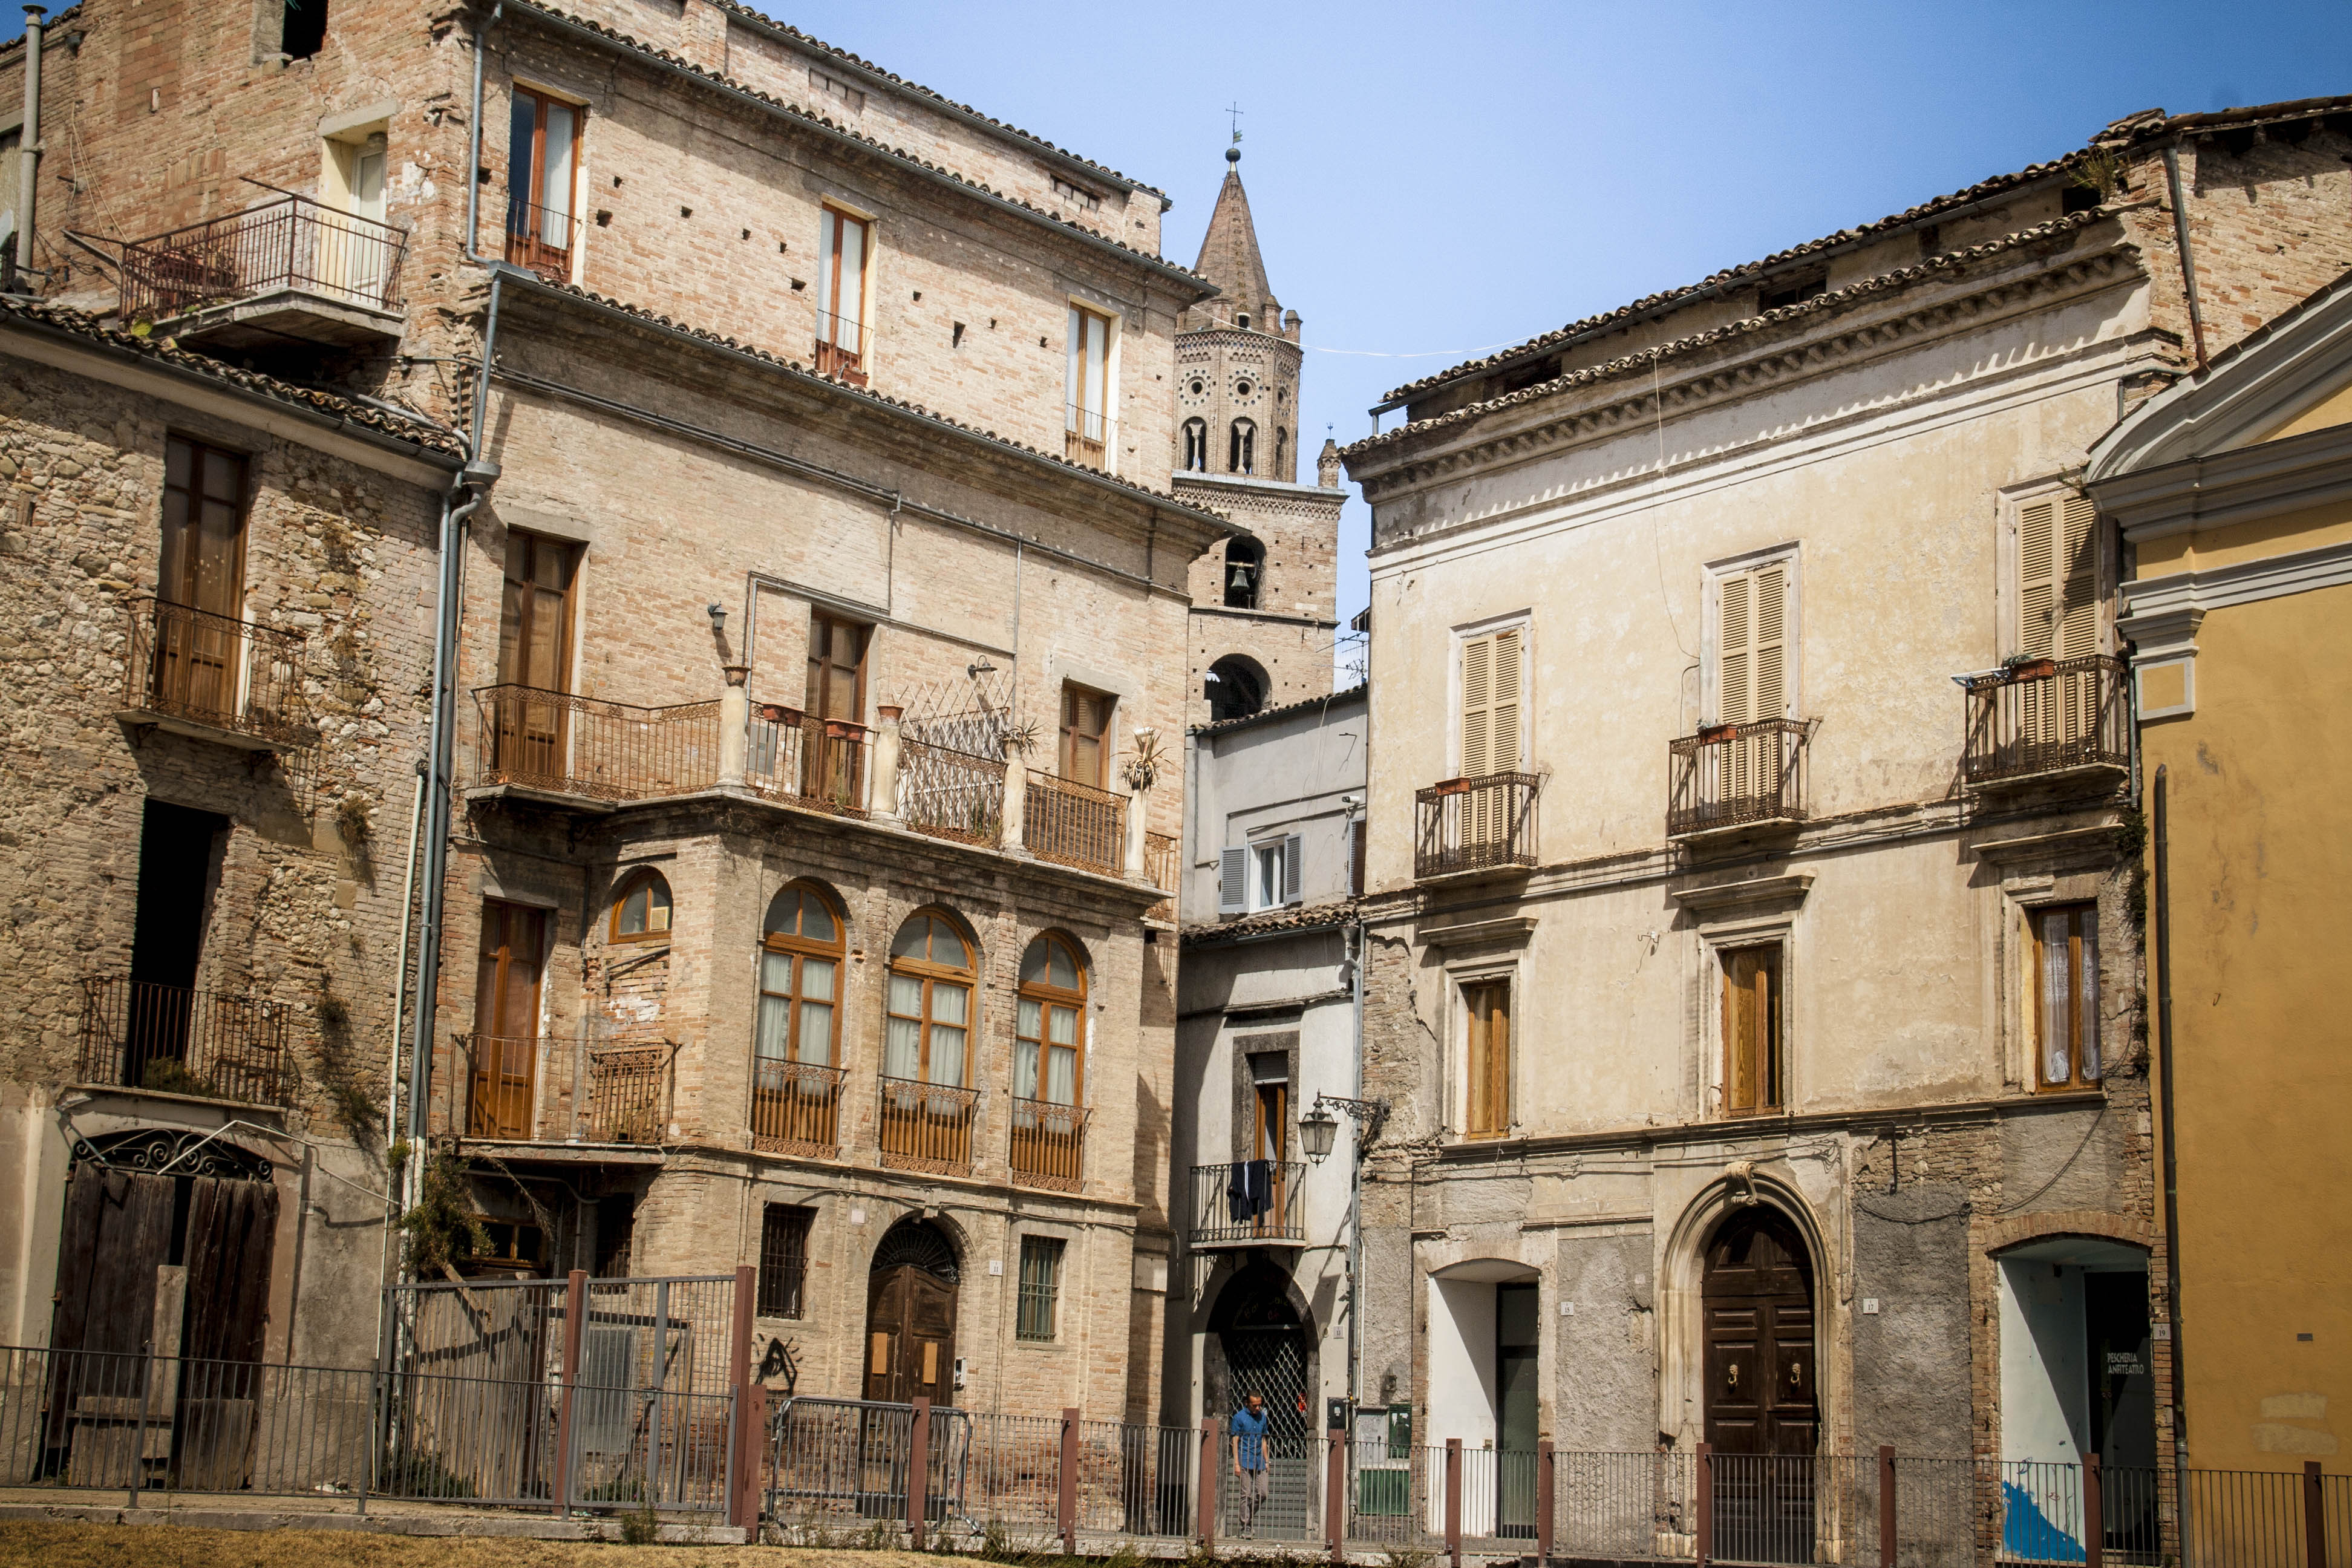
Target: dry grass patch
x,y
167,1546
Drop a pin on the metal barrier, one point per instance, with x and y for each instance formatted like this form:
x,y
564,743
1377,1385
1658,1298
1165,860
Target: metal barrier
x,y
293,242
950,793
820,764
175,1040
225,674
557,743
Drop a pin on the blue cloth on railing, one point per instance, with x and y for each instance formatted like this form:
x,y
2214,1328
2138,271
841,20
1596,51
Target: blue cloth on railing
x,y
2029,1535
1249,1190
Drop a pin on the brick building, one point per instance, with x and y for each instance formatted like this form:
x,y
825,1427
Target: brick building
x,y
800,881
1756,1010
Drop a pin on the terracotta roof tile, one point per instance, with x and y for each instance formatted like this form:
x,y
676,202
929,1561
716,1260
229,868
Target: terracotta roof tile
x,y
1264,715
1307,917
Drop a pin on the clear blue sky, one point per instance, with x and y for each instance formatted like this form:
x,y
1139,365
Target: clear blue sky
x,y
1431,181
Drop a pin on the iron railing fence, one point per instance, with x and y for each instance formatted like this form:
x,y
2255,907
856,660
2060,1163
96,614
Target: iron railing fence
x,y
843,345
2047,716
174,1040
541,239
1135,1480
795,1107
1072,823
821,765
1014,1482
1625,1505
1737,775
1789,1509
949,794
560,1088
1163,863
214,670
928,1126
1049,1144
1475,824
561,745
836,1466
1248,1203
292,242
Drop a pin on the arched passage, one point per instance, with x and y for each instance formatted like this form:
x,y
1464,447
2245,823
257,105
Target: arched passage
x,y
910,1315
1236,687
1261,1340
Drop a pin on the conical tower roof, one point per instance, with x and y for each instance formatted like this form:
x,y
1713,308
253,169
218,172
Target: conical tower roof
x,y
1230,256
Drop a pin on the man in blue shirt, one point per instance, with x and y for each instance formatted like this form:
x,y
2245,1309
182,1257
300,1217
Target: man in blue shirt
x,y
1249,1457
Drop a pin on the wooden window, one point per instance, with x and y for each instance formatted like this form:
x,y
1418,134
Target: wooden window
x,y
1050,1041
836,667
1085,730
198,662
542,165
1276,868
844,248
1754,1067
1041,1286
800,978
2058,577
1088,385
1241,448
783,1259
2066,995
535,613
1486,1006
506,1020
1752,644
1270,1132
641,911
927,1034
1490,704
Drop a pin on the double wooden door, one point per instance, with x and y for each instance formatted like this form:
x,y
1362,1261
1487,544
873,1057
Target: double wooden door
x,y
1763,1420
506,1021
911,1322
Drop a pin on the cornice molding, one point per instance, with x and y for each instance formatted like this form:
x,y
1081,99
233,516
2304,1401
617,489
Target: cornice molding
x,y
1746,371
2156,604
2232,487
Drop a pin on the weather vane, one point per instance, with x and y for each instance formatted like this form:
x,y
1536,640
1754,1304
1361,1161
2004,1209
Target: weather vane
x,y
1234,108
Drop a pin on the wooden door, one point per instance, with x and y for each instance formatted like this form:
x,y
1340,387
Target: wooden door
x,y
201,575
118,1231
911,1320
232,1233
1762,1419
534,653
506,1020
1086,720
833,757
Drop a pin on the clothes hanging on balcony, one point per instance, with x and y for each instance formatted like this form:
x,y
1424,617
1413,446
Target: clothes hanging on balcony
x,y
1249,1192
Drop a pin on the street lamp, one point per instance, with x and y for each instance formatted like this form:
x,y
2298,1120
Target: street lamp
x,y
1317,1127
1315,1132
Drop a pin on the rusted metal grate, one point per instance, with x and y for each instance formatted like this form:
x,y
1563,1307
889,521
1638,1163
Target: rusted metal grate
x,y
1049,1144
209,669
559,744
927,1126
821,765
795,1107
1163,862
176,1040
949,794
1074,824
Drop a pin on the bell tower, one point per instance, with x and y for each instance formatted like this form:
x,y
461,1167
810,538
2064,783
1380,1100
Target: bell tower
x,y
1262,607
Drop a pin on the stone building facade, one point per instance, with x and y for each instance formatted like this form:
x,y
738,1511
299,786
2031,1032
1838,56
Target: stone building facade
x,y
1263,607
794,781
1752,1004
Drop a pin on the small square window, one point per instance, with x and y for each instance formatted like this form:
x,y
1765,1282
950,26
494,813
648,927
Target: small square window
x,y
1041,1286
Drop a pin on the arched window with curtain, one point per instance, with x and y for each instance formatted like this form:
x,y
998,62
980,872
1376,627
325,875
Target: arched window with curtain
x,y
1196,446
641,911
927,1046
1049,1064
796,1071
1241,455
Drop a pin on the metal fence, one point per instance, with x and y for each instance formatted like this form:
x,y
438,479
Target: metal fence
x,y
225,674
950,793
821,765
1737,775
557,743
558,1090
292,242
173,1039
1475,824
1072,823
2047,716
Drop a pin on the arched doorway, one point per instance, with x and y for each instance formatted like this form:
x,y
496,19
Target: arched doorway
x,y
1259,1345
910,1315
1763,1418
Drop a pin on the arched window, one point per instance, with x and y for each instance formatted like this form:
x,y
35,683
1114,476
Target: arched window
x,y
1050,1038
1240,319
1196,446
1241,455
1236,687
928,1037
1281,450
641,911
1244,565
795,1071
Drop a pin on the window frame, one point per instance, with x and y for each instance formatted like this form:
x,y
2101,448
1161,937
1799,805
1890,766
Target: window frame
x,y
1774,1084
1478,1043
782,1289
850,365
800,949
176,587
1105,738
1080,367
2009,590
1038,1297
815,686
1048,995
537,255
1790,558
930,974
523,608
642,879
2085,936
1519,623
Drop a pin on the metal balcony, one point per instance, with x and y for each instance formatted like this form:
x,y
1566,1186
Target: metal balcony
x,y
2048,720
195,673
290,267
1251,1203
171,1039
1475,824
1732,779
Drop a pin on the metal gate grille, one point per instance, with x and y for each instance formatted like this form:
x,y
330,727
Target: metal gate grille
x,y
1271,1362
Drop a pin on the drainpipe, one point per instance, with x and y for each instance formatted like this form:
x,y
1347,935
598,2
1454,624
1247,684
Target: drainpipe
x,y
2188,259
2171,1161
1356,1176
29,145
474,137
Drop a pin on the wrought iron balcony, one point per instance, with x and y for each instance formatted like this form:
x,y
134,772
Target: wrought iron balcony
x,y
927,1126
1736,778
795,1107
196,673
818,764
1481,824
288,267
554,746
561,1090
1163,862
950,793
1072,823
1049,1144
171,1039
1251,1203
2036,722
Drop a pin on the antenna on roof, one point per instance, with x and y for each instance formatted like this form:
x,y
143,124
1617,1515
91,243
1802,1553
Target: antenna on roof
x,y
1233,151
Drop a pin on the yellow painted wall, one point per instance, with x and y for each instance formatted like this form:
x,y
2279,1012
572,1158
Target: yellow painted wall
x,y
2261,867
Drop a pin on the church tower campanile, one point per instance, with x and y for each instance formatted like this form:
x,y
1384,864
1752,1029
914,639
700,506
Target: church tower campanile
x,y
1263,608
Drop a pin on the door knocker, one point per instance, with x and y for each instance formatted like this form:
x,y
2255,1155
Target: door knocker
x,y
1731,1374
1796,1374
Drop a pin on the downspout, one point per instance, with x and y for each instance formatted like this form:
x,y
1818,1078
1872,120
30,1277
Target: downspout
x,y
474,137
397,1189
1356,1177
2171,1162
2187,260
28,143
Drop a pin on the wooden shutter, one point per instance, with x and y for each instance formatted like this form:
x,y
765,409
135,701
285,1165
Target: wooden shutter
x,y
836,670
1294,865
1086,718
2058,578
1752,644
1489,1060
1490,704
1232,881
1751,1029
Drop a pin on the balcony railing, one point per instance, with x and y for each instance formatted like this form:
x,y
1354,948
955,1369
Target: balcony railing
x,y
195,668
1074,824
1252,1203
823,764
552,1089
1481,824
795,1107
1163,862
950,793
927,1126
2049,716
1733,776
292,242
540,238
555,743
1049,1144
175,1040
842,344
